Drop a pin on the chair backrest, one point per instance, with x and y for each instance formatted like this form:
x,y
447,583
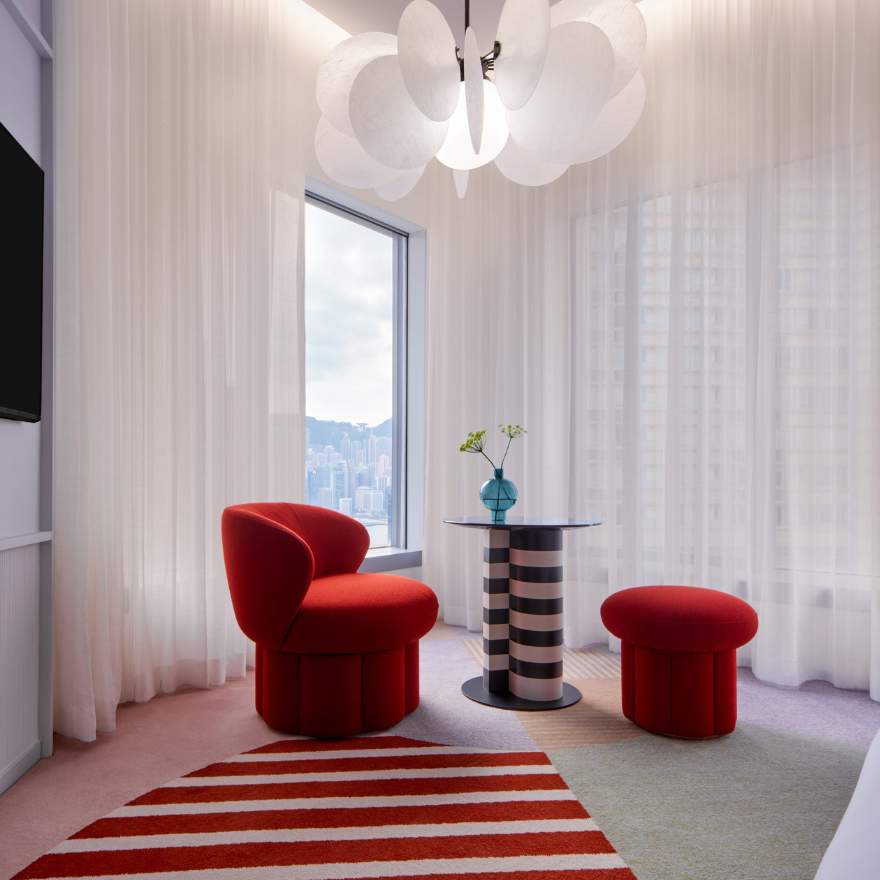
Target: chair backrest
x,y
338,542
269,569
272,552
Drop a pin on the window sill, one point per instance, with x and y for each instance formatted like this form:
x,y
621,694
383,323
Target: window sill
x,y
390,559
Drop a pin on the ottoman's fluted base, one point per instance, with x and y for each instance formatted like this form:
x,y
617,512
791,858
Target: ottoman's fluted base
x,y
690,695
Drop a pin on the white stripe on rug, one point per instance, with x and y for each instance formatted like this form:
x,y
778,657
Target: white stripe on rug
x,y
410,868
355,775
297,835
249,757
400,800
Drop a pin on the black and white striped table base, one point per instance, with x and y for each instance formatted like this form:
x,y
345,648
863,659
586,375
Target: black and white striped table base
x,y
536,614
496,611
522,615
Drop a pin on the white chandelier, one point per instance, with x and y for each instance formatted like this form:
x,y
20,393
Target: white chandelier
x,y
561,86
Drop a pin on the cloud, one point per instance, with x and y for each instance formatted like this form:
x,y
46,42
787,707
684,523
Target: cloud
x,y
349,301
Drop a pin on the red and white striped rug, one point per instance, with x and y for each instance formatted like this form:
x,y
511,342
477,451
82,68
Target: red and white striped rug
x,y
373,807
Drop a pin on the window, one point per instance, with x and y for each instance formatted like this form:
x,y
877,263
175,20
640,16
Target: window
x,y
355,317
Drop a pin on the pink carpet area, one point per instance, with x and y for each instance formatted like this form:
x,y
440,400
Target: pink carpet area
x,y
153,742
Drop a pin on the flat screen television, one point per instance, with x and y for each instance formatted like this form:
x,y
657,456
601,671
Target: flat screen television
x,y
21,282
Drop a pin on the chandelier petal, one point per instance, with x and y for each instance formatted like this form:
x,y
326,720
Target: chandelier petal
x,y
572,90
614,124
526,168
458,150
524,33
344,160
428,62
400,186
386,120
620,21
473,88
339,70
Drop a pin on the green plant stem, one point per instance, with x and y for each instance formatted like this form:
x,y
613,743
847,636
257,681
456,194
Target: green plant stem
x,y
504,457
494,468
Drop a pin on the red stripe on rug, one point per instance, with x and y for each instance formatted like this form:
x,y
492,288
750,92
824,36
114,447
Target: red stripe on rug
x,y
358,788
332,745
261,855
391,762
345,817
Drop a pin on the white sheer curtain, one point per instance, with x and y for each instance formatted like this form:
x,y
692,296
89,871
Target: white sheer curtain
x,y
690,330
178,367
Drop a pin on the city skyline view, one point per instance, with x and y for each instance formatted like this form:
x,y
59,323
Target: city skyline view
x,y
348,468
349,316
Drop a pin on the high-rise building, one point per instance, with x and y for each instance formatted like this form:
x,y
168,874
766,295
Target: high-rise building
x,y
339,480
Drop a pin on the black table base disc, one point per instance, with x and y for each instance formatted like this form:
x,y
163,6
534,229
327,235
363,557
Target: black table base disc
x,y
473,689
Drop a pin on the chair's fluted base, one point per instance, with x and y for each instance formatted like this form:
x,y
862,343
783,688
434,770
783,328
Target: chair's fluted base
x,y
331,695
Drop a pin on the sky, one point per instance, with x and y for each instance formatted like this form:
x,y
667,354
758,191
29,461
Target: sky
x,y
349,301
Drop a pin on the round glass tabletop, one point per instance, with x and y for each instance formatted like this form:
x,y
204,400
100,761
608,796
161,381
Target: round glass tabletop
x,y
521,522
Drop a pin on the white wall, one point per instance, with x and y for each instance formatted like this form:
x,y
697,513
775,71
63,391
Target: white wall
x,y
25,448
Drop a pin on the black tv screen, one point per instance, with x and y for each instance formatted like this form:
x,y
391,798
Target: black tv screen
x,y
21,281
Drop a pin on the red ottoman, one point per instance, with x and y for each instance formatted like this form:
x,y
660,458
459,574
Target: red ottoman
x,y
337,651
678,657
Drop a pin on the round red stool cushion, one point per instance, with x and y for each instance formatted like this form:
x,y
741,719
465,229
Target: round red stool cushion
x,y
678,656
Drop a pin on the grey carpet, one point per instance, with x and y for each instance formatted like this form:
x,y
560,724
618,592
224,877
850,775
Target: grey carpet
x,y
761,804
445,716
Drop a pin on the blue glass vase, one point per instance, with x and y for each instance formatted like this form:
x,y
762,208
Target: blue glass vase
x,y
499,495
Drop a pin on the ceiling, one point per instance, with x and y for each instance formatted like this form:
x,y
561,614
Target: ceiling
x,y
357,16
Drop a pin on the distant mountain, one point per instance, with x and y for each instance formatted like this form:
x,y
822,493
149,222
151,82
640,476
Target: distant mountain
x,y
323,433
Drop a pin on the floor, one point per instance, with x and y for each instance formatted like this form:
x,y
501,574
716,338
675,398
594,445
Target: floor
x,y
761,803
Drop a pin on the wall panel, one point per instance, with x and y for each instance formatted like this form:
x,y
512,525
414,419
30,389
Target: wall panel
x,y
19,661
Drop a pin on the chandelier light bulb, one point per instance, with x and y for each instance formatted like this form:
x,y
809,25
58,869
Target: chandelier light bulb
x,y
458,150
